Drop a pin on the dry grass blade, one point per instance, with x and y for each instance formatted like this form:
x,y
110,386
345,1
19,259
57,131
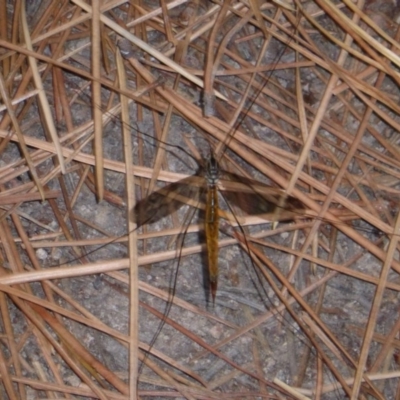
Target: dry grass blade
x,y
49,122
299,96
132,239
96,95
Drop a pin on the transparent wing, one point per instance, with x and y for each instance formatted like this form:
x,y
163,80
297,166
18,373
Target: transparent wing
x,y
256,198
166,200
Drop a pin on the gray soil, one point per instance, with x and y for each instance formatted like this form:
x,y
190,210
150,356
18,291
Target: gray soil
x,y
276,348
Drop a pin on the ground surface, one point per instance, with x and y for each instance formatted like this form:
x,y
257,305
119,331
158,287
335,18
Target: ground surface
x,y
298,309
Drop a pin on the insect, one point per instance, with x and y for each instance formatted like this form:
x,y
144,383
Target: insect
x,y
170,198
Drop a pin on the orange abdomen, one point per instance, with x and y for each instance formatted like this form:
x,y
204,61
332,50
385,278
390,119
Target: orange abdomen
x,y
212,230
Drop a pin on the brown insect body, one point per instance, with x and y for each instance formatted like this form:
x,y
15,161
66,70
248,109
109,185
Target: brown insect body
x,y
212,223
254,198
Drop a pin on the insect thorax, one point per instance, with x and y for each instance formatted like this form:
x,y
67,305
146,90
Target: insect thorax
x,y
212,171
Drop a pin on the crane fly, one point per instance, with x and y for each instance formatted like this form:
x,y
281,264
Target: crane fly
x,y
171,197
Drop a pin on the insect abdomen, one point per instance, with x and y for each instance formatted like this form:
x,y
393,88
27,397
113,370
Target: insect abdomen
x,y
212,230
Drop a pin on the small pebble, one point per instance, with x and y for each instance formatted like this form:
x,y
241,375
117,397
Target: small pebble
x,y
41,254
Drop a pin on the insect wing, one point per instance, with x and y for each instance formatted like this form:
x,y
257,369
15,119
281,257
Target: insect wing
x,y
256,198
166,200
